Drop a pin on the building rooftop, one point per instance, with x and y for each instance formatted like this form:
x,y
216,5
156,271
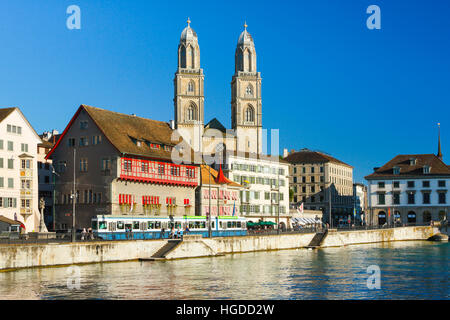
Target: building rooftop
x,y
206,177
5,112
124,132
309,156
411,165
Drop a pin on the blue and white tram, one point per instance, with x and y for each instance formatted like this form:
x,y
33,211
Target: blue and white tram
x,y
109,227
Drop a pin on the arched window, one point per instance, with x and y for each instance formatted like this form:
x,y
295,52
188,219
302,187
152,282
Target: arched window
x,y
190,87
249,114
183,57
249,57
191,112
411,217
193,58
381,218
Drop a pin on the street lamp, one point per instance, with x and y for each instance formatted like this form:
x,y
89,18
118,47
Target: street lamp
x,y
74,197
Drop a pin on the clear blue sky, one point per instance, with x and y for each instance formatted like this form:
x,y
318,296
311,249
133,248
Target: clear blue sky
x,y
329,83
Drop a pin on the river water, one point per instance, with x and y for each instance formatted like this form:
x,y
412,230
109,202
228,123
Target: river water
x,y
408,270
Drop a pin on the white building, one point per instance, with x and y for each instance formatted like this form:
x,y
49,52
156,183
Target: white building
x,y
410,189
266,184
18,169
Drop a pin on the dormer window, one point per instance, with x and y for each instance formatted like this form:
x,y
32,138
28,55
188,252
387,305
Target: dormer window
x,y
412,161
138,143
426,169
396,170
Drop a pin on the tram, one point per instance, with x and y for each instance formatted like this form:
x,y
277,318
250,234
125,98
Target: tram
x,y
109,227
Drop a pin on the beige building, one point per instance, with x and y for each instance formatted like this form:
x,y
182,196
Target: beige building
x,y
246,107
318,180
18,169
123,166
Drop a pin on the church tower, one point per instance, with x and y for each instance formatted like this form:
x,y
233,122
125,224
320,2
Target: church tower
x,y
189,90
246,109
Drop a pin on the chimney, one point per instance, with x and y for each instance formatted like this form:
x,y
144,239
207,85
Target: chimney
x,y
285,153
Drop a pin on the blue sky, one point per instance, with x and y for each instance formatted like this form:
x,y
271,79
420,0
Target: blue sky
x,y
329,83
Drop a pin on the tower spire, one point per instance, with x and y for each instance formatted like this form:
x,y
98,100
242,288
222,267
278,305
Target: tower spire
x,y
439,154
188,22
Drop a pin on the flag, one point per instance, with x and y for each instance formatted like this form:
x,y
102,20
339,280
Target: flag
x,y
234,208
354,212
300,209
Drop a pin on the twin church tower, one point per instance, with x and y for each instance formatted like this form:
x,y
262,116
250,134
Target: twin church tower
x,y
189,100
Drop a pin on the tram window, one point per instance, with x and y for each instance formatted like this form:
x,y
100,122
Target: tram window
x,y
136,225
220,224
203,224
143,225
102,225
177,225
239,224
164,224
94,225
191,225
157,225
229,224
212,224
234,224
120,225
150,225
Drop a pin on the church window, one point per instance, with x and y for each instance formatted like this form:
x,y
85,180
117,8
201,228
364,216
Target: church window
x,y
192,112
249,114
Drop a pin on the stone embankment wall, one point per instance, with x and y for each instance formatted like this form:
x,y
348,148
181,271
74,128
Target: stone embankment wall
x,y
34,255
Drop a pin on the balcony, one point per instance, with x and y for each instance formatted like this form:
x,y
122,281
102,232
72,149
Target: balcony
x,y
158,172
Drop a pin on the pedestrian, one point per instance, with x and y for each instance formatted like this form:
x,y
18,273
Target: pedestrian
x,y
162,232
172,232
187,229
91,234
83,234
176,233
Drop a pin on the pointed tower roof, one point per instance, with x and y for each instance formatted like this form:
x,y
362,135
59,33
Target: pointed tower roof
x,y
245,38
439,154
188,34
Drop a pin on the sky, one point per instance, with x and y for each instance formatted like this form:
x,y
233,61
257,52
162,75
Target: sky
x,y
328,82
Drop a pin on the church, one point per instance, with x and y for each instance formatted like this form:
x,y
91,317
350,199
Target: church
x,y
246,111
265,192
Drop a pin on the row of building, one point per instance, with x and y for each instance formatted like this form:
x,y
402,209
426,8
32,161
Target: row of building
x,y
106,162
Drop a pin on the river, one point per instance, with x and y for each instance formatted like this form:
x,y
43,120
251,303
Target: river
x,y
408,270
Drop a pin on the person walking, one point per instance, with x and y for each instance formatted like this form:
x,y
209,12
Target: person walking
x,y
162,232
83,234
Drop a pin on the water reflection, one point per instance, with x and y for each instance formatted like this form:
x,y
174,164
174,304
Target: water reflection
x,y
409,270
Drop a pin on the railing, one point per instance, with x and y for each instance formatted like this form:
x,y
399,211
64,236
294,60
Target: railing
x,y
376,227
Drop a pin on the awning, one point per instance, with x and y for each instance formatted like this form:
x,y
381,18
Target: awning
x,y
303,221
